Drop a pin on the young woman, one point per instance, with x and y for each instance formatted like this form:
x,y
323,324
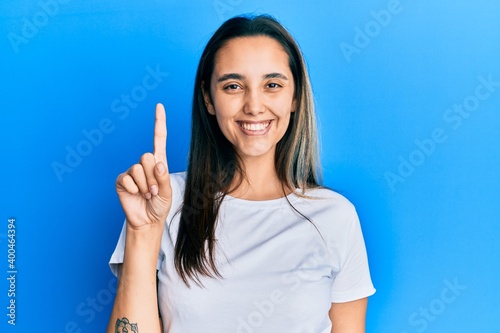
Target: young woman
x,y
246,240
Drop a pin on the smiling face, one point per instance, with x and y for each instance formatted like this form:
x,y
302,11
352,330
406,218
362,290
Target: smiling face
x,y
252,94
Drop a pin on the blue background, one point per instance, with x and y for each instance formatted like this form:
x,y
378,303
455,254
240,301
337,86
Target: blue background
x,y
432,234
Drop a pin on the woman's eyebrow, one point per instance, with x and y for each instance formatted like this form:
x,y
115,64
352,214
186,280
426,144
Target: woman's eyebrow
x,y
236,76
274,76
231,76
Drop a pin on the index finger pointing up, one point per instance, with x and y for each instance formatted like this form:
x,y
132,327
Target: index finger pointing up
x,y
160,137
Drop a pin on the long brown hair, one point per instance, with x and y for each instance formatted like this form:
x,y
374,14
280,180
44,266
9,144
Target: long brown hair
x,y
213,162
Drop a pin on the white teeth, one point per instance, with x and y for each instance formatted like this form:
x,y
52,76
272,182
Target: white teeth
x,y
254,126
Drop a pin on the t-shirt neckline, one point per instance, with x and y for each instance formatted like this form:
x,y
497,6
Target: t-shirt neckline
x,y
270,203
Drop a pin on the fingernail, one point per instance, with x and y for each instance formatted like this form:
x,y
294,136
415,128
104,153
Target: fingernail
x,y
154,190
148,196
161,168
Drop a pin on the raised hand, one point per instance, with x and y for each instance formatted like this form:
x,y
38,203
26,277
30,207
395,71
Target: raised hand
x,y
144,189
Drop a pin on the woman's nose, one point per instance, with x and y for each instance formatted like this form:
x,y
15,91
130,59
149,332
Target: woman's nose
x,y
253,103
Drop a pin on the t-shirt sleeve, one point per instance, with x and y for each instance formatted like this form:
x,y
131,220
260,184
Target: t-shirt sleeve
x,y
118,254
353,279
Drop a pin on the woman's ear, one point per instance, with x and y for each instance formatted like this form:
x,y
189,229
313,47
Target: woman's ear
x,y
208,100
294,105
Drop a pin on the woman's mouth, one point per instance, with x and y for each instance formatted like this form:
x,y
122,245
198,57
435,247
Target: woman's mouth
x,y
254,128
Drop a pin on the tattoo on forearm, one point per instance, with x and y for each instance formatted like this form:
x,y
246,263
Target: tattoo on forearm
x,y
124,326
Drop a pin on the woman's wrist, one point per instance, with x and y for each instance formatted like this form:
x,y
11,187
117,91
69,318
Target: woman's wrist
x,y
144,242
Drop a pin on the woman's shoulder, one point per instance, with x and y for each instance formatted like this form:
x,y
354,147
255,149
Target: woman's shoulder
x,y
178,183
327,205
178,177
326,196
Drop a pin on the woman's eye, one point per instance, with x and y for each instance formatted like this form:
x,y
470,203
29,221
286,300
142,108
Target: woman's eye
x,y
273,85
231,87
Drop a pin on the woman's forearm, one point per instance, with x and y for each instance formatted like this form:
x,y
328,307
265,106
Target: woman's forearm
x,y
136,302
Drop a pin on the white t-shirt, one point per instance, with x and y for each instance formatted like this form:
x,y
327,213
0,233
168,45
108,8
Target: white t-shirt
x,y
280,271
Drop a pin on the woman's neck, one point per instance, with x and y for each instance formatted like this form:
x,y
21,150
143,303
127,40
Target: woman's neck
x,y
261,181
